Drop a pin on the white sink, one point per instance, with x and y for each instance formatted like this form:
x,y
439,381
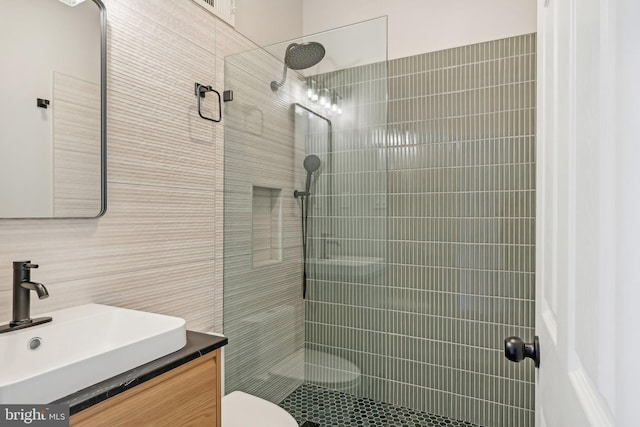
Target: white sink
x,y
345,268
80,347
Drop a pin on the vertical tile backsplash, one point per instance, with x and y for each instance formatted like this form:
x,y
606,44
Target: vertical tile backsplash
x,y
446,196
346,312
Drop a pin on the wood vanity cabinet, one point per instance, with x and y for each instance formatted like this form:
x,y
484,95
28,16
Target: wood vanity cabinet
x,y
188,395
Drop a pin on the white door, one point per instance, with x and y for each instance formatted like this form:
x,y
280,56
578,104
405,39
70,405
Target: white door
x,y
588,213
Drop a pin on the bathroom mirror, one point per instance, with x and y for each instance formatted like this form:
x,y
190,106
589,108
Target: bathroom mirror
x,y
52,108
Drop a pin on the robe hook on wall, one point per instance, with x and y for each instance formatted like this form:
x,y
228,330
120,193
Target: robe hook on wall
x,y
43,103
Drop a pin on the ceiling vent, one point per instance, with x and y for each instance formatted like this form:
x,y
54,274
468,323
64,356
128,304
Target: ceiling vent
x,y
223,9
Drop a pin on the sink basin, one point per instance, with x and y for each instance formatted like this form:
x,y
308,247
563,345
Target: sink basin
x,y
82,346
345,268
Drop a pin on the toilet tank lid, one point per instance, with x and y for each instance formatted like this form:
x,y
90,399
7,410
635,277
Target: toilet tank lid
x,y
240,409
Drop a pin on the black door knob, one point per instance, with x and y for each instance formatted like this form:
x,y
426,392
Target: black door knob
x,y
516,350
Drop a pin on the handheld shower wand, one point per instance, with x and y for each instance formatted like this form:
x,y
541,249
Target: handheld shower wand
x,y
311,164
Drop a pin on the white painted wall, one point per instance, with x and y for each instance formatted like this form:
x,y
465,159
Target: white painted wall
x,y
419,26
414,26
59,38
267,22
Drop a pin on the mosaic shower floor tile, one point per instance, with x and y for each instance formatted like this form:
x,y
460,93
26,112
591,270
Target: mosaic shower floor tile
x,y
314,406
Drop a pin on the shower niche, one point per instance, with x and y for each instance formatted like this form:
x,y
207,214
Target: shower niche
x,y
266,231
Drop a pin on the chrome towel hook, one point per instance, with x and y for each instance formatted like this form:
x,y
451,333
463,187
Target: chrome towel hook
x,y
200,91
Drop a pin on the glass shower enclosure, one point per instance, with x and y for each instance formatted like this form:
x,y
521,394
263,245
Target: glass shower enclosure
x,y
307,312
383,289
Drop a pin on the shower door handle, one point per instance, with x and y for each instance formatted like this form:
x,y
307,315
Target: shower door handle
x,y
517,350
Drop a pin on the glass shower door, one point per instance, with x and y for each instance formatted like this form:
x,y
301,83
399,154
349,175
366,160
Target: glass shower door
x,y
263,305
342,119
331,345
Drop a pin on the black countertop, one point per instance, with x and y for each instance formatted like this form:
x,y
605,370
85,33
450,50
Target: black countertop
x,y
198,344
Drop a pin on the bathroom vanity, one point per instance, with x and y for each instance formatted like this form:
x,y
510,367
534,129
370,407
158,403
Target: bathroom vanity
x,y
182,388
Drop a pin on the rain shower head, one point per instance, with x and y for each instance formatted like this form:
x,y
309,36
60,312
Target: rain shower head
x,y
299,56
303,55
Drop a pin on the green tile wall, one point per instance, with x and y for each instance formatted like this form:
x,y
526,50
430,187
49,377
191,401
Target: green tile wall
x,y
438,183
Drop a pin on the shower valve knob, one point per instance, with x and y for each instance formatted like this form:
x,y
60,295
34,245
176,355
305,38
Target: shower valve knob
x,y
517,350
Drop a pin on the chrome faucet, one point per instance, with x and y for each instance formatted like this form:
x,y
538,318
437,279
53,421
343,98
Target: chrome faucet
x,y
22,287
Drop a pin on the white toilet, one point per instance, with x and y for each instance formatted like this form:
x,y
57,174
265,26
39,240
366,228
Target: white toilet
x,y
240,409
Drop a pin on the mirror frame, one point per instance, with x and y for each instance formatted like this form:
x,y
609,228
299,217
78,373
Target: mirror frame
x,y
103,106
103,124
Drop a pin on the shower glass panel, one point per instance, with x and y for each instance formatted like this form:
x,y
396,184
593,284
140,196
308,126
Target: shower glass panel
x,y
263,306
282,345
420,229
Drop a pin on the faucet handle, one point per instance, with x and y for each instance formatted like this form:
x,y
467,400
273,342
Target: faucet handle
x,y
23,265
